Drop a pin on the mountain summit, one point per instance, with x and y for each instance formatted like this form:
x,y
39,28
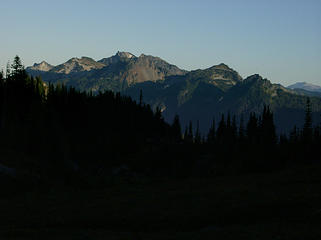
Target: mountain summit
x,y
43,66
124,54
119,56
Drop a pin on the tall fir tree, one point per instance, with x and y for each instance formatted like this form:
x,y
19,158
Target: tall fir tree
x,y
212,132
176,127
8,71
234,128
190,135
18,69
241,132
186,134
221,130
198,138
307,128
294,135
252,128
268,131
140,97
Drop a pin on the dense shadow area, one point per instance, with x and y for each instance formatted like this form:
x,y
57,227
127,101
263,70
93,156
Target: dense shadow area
x,y
74,165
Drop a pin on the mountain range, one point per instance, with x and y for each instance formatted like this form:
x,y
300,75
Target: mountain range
x,y
197,95
115,73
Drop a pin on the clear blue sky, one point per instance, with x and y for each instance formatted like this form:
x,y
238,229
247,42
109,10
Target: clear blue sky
x,y
279,39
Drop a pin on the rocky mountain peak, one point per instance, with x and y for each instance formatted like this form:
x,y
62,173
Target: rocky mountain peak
x,y
222,66
118,57
221,74
43,66
75,64
124,54
254,78
74,59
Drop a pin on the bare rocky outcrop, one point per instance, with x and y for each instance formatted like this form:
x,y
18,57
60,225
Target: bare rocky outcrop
x,y
43,66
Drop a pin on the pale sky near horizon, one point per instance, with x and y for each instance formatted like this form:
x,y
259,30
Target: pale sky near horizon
x,y
280,40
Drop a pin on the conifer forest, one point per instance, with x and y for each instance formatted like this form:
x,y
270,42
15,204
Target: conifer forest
x,y
108,165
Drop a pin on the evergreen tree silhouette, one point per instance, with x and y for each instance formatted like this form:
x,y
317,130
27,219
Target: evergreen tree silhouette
x,y
252,129
177,131
158,114
198,138
212,132
221,130
241,132
228,121
268,132
2,99
8,70
17,67
294,135
228,134
234,129
189,133
307,128
141,97
186,134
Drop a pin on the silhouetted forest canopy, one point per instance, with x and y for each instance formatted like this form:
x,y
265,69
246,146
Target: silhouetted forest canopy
x,y
57,133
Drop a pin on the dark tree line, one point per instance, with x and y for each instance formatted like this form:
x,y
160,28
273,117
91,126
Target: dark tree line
x,y
54,131
255,145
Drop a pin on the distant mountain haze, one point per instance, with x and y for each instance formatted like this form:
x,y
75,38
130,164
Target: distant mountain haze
x,y
306,86
197,95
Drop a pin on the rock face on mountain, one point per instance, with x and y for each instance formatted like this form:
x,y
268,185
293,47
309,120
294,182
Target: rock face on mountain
x,y
120,56
196,95
149,68
43,66
76,65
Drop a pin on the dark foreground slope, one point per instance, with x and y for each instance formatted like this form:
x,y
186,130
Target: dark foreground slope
x,y
78,166
284,205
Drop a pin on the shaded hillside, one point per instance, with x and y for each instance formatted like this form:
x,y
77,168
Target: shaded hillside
x,y
307,93
199,96
195,95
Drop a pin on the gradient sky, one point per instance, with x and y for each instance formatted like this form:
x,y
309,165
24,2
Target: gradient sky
x,y
279,39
